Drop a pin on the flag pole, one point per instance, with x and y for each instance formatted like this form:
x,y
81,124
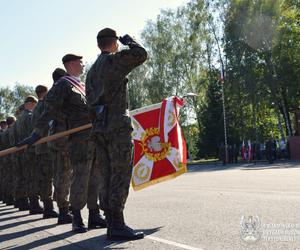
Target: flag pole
x,y
224,112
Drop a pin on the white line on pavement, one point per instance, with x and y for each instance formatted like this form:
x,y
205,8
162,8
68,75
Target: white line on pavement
x,y
173,243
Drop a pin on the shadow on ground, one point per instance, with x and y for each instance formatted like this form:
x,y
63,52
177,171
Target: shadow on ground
x,y
97,242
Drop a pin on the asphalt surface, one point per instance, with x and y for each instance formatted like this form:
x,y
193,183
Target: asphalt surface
x,y
202,209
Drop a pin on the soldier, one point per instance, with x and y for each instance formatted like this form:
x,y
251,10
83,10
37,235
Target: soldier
x,y
44,160
108,102
67,97
60,162
29,163
3,125
7,177
20,193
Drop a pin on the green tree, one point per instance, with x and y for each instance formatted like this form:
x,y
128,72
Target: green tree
x,y
13,98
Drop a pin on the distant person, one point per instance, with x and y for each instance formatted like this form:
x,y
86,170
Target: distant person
x,y
270,150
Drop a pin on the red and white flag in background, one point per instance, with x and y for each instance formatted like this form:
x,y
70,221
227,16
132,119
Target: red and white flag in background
x,y
249,151
159,146
244,153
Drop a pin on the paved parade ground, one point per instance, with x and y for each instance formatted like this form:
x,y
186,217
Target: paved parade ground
x,y
237,206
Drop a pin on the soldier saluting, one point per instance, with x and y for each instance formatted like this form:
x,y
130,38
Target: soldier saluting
x,y
106,88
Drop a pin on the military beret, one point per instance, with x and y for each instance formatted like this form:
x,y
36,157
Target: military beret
x,y
57,74
30,98
40,89
3,122
107,33
10,120
70,57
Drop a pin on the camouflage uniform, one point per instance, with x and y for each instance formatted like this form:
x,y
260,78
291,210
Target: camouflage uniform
x,y
64,98
14,159
61,164
44,161
8,186
106,84
1,168
28,163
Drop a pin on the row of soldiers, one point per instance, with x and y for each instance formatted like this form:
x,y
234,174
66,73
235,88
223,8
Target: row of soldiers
x,y
91,167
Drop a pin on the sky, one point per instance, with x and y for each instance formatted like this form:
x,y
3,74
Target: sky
x,y
36,34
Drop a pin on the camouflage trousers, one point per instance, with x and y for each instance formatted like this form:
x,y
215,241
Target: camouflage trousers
x,y
30,167
45,176
1,179
85,181
114,150
8,178
21,186
62,177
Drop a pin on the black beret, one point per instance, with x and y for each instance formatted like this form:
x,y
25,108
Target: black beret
x,y
70,57
10,120
58,73
3,122
107,33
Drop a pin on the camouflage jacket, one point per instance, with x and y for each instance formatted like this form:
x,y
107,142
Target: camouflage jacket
x,y
13,138
24,127
106,83
64,104
7,143
36,113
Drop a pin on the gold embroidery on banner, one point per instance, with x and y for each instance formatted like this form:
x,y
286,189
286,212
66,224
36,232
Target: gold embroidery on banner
x,y
153,149
142,171
176,161
171,118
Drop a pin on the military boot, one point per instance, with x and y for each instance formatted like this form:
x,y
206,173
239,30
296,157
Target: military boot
x,y
35,207
95,219
9,200
117,229
23,204
49,211
64,216
77,223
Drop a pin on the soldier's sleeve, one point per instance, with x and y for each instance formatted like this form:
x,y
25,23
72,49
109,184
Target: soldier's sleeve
x,y
27,126
53,105
128,59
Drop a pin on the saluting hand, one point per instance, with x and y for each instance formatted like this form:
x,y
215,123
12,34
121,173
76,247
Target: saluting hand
x,y
126,40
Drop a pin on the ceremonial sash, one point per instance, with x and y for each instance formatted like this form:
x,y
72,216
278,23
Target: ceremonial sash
x,y
76,83
159,146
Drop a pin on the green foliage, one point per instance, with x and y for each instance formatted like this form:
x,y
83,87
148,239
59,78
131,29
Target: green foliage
x,y
212,133
13,98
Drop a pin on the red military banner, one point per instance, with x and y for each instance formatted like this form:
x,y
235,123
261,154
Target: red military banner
x,y
159,146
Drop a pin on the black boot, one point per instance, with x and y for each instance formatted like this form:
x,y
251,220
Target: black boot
x,y
64,216
77,223
23,204
49,211
95,219
117,229
35,207
9,200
